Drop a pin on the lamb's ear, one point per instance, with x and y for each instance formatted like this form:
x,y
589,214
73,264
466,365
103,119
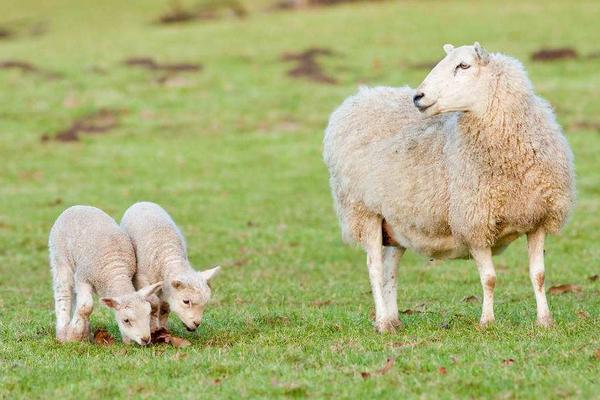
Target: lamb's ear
x,y
483,55
448,48
110,302
177,284
210,273
150,290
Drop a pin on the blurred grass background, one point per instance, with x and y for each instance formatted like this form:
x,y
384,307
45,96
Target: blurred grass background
x,y
233,152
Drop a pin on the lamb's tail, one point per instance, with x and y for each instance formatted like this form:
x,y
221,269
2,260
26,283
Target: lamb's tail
x,y
62,277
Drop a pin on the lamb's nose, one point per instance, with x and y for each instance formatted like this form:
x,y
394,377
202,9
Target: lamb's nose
x,y
197,323
418,96
145,340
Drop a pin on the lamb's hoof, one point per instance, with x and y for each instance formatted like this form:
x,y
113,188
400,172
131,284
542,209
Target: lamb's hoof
x,y
388,325
485,323
545,322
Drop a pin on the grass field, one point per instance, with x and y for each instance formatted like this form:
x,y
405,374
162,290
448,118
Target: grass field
x,y
234,153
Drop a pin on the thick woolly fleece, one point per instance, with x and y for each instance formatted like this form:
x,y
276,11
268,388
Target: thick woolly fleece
x,y
447,183
88,248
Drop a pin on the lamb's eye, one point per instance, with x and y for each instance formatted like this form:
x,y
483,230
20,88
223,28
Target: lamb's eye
x,y
463,66
186,302
126,321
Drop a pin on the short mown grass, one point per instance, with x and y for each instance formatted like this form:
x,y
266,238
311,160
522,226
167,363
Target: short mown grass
x,y
234,153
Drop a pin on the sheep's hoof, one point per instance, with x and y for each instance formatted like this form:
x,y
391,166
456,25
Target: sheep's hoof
x,y
545,322
388,325
484,323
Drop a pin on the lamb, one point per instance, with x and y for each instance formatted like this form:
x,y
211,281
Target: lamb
x,y
90,253
161,253
458,168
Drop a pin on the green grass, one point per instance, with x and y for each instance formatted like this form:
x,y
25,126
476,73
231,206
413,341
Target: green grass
x,y
235,156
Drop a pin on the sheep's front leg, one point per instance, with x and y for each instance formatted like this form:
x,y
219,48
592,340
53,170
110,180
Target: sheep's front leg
x,y
535,247
79,328
487,275
373,246
391,257
164,314
154,312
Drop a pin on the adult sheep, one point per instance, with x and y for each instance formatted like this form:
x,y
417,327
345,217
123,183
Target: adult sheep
x,y
458,168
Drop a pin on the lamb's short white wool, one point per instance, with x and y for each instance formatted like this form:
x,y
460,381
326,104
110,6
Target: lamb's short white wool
x,y
161,254
481,164
90,253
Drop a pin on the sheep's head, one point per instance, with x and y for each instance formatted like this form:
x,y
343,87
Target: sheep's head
x,y
457,83
188,293
133,313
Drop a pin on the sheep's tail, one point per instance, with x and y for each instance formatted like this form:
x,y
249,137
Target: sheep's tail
x,y
62,277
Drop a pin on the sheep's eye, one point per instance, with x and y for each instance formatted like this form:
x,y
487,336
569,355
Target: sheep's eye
x,y
126,321
463,66
186,302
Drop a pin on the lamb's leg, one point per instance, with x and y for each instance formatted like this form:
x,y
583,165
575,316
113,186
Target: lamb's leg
x,y
154,300
79,327
62,277
373,246
164,314
487,275
535,247
391,256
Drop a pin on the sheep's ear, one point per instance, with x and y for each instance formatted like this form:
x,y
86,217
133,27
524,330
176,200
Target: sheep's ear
x,y
210,273
177,284
448,48
110,302
150,290
483,55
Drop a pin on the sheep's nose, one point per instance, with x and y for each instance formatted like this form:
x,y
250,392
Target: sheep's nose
x,y
197,323
418,96
145,340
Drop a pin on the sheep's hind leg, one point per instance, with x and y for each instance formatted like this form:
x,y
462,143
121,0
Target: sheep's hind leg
x,y
79,327
372,244
391,257
487,275
535,247
62,277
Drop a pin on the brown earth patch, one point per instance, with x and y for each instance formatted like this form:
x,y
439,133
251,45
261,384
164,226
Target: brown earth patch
x,y
307,66
95,123
563,53
103,338
27,67
151,64
585,126
300,4
207,10
566,288
164,336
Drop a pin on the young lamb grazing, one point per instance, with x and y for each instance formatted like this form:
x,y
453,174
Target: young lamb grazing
x,y
458,168
89,252
161,254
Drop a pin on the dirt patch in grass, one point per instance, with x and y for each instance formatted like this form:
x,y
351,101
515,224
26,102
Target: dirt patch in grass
x,y
563,53
99,122
169,72
585,126
205,10
300,4
566,288
307,66
150,64
28,68
164,336
103,338
15,29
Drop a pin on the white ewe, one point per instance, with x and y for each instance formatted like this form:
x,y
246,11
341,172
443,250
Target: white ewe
x,y
161,255
89,252
481,164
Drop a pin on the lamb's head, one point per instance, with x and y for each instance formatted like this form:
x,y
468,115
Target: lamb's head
x,y
133,313
457,83
188,293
